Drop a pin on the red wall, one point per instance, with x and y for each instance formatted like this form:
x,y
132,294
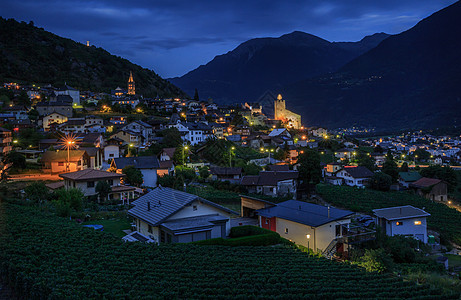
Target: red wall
x,y
272,223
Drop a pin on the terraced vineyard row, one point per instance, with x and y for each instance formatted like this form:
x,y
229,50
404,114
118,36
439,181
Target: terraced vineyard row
x,y
44,256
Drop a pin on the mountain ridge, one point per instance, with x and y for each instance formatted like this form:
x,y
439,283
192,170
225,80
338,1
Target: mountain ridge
x,y
410,80
34,55
259,64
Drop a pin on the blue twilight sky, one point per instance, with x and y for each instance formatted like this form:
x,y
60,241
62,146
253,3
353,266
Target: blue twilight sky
x,y
173,37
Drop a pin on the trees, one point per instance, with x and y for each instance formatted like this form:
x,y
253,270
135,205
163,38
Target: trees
x,y
376,261
17,160
204,172
310,170
133,176
68,199
103,189
365,160
37,192
196,97
404,167
171,137
390,167
381,181
421,154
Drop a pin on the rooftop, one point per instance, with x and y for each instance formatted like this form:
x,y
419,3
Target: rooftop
x,y
140,162
90,174
425,182
400,212
305,213
164,202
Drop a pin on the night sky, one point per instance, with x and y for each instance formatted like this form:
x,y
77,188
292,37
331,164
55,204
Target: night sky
x,y
173,37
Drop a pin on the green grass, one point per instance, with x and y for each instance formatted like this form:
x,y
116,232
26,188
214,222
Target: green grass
x,y
114,226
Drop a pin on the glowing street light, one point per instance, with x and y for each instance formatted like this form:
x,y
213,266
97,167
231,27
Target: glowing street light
x,y
183,158
230,155
68,142
308,236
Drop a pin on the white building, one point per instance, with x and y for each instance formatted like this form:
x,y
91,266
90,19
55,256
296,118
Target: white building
x,y
170,216
148,165
70,91
403,220
355,176
314,226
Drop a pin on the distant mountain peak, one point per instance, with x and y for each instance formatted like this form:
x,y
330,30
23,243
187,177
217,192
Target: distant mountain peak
x,y
260,64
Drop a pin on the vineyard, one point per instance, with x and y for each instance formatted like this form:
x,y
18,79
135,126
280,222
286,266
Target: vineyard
x,y
43,256
445,220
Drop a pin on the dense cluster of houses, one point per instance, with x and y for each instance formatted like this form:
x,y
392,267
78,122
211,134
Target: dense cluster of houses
x,y
102,141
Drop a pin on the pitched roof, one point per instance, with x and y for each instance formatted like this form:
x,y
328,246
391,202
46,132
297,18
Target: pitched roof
x,y
277,131
359,172
140,162
400,212
90,174
269,178
410,176
169,151
186,225
225,171
92,151
164,202
74,155
279,168
305,213
425,182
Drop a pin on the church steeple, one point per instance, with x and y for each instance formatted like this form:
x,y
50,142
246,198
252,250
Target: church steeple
x,y
131,88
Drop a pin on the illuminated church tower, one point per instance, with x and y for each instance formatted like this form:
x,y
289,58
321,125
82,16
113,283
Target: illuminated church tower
x,y
131,89
291,119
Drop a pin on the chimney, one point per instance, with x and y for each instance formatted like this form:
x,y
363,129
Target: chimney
x,y
328,212
148,205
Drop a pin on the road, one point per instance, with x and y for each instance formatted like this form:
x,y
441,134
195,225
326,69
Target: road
x,y
23,177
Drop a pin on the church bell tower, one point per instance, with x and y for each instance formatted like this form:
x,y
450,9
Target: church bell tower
x,y
131,88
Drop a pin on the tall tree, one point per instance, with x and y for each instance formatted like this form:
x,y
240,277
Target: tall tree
x,y
309,169
133,175
103,189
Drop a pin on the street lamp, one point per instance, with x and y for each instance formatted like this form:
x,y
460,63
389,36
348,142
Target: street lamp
x,y
308,236
230,156
183,159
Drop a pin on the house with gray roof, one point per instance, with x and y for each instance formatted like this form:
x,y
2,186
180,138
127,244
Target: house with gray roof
x,y
355,176
167,215
272,183
403,220
314,226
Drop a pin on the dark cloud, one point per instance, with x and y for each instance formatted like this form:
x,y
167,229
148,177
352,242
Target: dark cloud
x,y
173,37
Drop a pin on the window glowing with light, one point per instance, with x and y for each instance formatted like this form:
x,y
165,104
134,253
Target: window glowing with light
x,y
417,222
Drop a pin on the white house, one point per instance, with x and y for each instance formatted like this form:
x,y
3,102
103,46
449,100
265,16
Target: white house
x,y
403,220
112,148
355,176
314,226
170,216
70,91
194,133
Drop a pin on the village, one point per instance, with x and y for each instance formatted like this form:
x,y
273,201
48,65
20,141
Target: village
x,y
188,170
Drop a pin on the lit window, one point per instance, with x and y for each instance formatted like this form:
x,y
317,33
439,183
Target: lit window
x,y
417,222
399,223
